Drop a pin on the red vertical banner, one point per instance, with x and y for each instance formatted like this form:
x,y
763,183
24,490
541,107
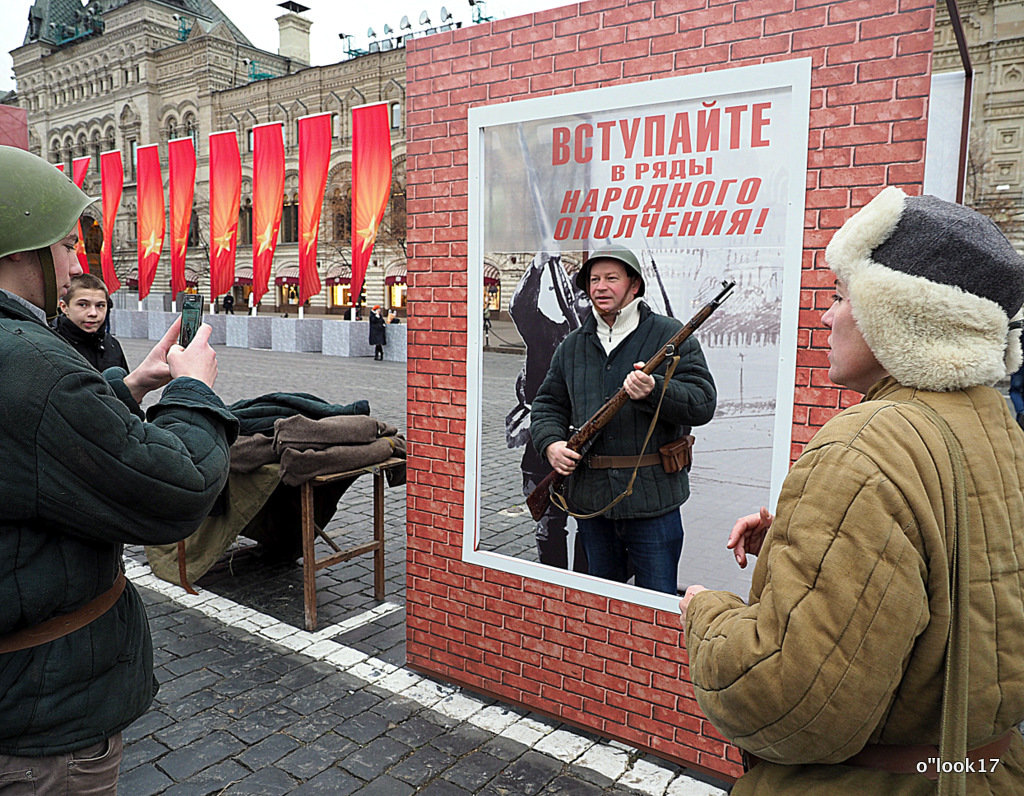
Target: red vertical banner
x,y
112,183
314,160
267,197
225,196
79,168
181,178
371,183
150,215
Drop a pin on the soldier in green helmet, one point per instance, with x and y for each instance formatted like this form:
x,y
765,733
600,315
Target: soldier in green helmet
x,y
83,475
642,530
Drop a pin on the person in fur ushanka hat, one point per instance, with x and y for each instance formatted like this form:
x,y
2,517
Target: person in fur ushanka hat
x,y
831,676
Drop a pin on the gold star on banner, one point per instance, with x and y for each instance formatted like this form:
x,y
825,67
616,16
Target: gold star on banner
x,y
369,235
265,237
309,238
224,242
153,245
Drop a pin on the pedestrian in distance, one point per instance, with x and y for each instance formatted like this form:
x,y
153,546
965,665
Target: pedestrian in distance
x,y
886,612
644,528
229,304
84,322
378,333
83,475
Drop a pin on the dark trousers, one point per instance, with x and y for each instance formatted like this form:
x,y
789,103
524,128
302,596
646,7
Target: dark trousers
x,y
652,545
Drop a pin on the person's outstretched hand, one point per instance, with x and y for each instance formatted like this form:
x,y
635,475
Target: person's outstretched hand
x,y
748,534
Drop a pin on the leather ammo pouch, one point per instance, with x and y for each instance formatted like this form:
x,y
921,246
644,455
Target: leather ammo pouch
x,y
677,455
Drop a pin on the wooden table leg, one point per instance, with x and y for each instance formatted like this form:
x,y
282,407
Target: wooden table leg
x,y
378,533
308,555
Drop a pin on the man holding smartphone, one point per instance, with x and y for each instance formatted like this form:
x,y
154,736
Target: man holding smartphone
x,y
83,475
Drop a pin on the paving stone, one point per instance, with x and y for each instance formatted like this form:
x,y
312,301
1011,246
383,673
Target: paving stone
x,y
268,751
460,740
362,728
527,775
181,686
184,763
371,760
503,748
474,770
149,722
310,728
145,750
213,780
143,780
262,723
571,786
385,786
422,765
183,733
332,782
265,782
308,761
442,787
415,730
354,704
181,709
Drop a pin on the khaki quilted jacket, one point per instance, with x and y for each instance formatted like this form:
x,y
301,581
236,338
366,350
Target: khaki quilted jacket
x,y
843,640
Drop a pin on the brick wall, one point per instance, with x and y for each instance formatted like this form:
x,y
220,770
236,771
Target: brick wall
x,y
610,666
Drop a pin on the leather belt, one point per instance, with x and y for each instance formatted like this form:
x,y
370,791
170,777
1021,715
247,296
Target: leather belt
x,y
62,625
909,759
626,462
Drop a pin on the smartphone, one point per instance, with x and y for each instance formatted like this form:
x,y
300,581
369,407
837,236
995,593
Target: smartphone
x,y
191,318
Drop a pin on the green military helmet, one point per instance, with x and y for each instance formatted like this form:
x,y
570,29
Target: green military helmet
x,y
624,256
38,204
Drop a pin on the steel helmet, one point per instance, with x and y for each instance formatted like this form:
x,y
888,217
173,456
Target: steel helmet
x,y
38,204
624,256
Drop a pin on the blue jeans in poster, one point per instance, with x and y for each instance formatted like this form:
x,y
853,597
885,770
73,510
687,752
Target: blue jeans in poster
x,y
652,546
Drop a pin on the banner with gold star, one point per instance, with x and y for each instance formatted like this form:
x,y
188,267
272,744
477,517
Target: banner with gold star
x,y
150,216
79,167
314,160
267,194
111,185
181,179
371,184
225,196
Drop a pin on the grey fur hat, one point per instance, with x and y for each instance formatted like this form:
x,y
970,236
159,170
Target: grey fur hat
x,y
934,286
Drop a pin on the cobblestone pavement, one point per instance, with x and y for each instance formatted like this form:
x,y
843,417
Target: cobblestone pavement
x,y
251,703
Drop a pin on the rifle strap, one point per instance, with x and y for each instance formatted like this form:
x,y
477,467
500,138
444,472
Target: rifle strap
x,y
560,502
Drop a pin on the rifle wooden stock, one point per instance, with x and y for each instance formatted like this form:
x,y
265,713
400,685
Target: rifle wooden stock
x,y
537,501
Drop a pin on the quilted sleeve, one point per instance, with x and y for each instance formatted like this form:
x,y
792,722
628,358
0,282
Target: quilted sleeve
x,y
104,474
551,410
808,671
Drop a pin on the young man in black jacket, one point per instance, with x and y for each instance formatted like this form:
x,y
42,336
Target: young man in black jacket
x,y
83,322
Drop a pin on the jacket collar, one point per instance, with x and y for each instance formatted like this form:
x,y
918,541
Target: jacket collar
x,y
14,305
589,325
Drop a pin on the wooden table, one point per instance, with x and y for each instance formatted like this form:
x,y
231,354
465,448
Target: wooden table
x,y
311,564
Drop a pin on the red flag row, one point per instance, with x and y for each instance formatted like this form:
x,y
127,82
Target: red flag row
x,y
371,181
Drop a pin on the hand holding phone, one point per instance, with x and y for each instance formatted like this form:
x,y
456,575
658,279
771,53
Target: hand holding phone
x,y
191,318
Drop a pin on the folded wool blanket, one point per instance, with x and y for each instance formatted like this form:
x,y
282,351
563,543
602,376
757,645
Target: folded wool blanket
x,y
257,415
299,466
304,433
251,453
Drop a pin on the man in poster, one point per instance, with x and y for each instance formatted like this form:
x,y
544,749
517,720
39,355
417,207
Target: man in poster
x,y
643,524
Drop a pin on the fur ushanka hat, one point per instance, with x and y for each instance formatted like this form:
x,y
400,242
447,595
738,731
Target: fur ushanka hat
x,y
933,287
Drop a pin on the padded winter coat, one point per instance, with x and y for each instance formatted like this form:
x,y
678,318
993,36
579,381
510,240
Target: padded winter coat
x,y
82,475
582,377
844,638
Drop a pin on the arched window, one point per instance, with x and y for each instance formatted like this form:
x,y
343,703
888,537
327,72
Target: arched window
x,y
396,115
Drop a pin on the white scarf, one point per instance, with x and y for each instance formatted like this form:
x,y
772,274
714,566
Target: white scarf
x,y
625,322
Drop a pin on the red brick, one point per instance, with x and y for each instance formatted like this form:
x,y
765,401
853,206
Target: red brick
x,y
860,9
824,38
734,31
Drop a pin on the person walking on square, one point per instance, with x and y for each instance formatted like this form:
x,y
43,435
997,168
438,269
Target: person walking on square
x,y
378,333
229,304
84,322
83,475
886,611
644,529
